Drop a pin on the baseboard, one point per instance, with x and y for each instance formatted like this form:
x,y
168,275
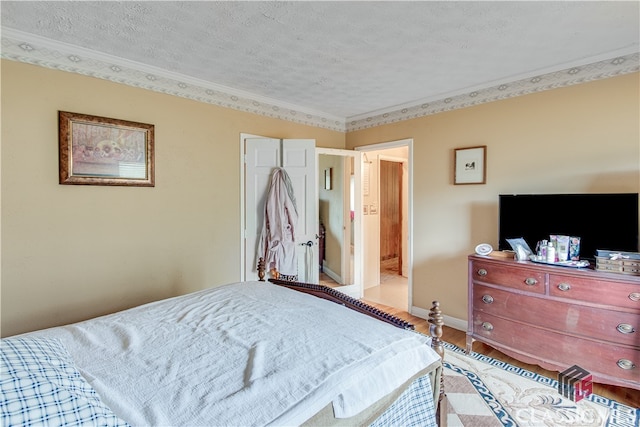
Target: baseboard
x,y
336,277
452,322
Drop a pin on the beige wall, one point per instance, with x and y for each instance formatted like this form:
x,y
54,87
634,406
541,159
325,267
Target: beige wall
x,y
583,138
73,252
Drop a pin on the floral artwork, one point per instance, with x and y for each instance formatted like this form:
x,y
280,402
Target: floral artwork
x,y
102,151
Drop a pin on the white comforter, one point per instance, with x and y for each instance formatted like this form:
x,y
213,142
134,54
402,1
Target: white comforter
x,y
242,354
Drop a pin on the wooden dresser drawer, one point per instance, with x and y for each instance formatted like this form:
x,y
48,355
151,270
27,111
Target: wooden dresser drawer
x,y
513,277
589,289
557,318
606,361
584,321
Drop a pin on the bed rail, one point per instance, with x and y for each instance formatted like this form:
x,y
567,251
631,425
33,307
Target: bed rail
x,y
331,294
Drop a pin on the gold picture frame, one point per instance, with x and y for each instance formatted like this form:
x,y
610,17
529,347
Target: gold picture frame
x,y
97,150
470,165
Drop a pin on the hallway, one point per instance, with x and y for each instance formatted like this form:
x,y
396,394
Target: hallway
x,y
393,290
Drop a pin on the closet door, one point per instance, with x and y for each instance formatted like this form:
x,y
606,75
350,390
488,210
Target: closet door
x,y
262,155
297,156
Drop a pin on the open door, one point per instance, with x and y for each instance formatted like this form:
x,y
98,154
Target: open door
x,y
297,156
339,198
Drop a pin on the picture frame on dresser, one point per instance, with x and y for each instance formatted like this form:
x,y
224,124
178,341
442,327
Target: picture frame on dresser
x,y
470,165
96,150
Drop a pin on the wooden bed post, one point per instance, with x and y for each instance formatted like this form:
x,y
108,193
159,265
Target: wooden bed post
x,y
262,271
436,322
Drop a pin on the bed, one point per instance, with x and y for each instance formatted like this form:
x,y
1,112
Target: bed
x,y
242,354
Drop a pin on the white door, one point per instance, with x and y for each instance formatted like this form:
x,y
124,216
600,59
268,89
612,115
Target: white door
x,y
297,156
351,236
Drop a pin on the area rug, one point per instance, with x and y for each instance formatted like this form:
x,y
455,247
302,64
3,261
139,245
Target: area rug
x,y
482,391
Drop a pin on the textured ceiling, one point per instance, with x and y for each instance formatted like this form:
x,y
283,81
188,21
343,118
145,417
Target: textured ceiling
x,y
343,62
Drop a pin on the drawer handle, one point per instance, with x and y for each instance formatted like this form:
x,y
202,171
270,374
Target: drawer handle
x,y
626,364
634,296
530,281
487,299
564,286
625,328
482,272
489,327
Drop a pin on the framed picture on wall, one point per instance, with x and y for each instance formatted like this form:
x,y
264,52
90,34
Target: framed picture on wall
x,y
328,173
103,151
470,165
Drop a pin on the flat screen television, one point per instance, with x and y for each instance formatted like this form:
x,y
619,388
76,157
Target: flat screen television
x,y
602,221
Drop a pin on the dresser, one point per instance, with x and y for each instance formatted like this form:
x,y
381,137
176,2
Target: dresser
x,y
557,317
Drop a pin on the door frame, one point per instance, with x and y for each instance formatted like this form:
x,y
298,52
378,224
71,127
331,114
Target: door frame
x,y
409,255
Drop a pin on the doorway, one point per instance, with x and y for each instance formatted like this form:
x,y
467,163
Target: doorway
x,y
387,223
339,198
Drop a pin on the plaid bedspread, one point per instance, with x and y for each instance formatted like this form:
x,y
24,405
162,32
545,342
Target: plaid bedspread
x,y
414,407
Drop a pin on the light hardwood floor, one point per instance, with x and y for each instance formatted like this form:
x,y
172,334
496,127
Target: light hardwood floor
x,y
627,396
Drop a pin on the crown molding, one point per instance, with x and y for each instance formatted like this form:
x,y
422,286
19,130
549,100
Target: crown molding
x,y
29,48
624,63
32,49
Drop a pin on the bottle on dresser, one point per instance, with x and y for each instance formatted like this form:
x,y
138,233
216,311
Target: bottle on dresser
x,y
551,252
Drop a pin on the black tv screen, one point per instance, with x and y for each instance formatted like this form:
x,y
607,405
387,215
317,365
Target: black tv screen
x,y
602,221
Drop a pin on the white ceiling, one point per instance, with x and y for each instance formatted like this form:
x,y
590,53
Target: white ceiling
x,y
341,65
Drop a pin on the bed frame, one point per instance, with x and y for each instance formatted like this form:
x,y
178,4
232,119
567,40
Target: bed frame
x,y
436,319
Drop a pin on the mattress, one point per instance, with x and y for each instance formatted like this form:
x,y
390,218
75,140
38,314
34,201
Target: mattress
x,y
249,353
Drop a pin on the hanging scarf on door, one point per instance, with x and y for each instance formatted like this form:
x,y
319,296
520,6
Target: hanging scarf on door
x,y
277,241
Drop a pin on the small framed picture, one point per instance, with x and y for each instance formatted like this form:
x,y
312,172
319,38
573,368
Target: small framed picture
x,y
327,178
103,151
470,165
